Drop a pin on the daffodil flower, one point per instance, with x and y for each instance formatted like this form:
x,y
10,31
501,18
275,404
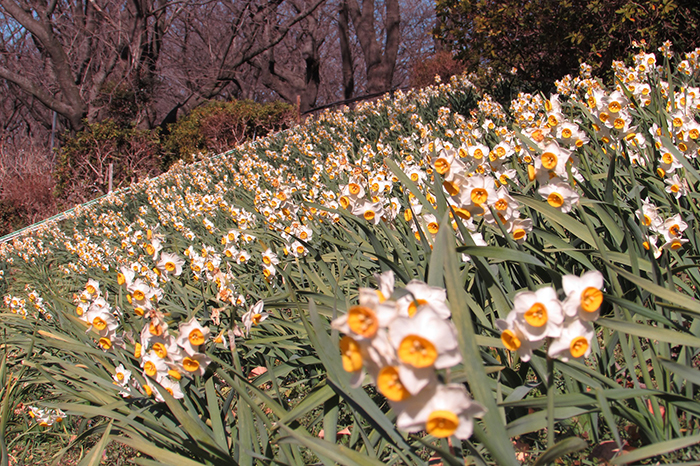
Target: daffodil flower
x,y
254,316
170,264
192,335
363,321
441,410
583,295
537,313
559,195
423,296
514,339
574,342
425,340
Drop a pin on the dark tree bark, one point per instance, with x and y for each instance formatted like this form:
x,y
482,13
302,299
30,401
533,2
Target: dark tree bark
x,y
380,64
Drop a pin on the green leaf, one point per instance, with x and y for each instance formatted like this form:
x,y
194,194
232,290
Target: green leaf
x,y
562,448
656,449
497,440
338,453
160,454
688,373
647,331
94,456
501,254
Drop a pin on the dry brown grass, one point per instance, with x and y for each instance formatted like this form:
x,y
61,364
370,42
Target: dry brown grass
x,y
26,183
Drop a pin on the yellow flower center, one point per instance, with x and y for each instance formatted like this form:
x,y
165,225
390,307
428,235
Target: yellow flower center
x,y
137,351
442,165
174,374
555,200
531,172
369,215
552,121
417,351
510,340
591,299
478,154
196,337
90,289
619,123
150,369
578,347
519,234
451,187
442,423
160,350
479,195
413,307
433,228
549,160
354,189
566,133
390,385
536,315
463,213
667,158
139,295
99,323
120,376
190,365
501,204
121,279
105,343
363,321
614,107
350,352
170,266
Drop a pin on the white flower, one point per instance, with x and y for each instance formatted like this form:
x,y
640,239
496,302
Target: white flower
x,y
583,295
191,336
538,313
423,296
441,410
514,339
559,195
254,316
574,341
426,340
170,264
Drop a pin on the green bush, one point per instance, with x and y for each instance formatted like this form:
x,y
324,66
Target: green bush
x,y
83,167
219,126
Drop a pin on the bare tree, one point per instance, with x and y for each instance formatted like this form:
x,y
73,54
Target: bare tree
x,y
379,62
65,53
292,68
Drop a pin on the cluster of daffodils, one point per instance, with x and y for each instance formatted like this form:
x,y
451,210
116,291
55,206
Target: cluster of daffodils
x,y
46,417
33,305
670,229
98,314
540,316
401,338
